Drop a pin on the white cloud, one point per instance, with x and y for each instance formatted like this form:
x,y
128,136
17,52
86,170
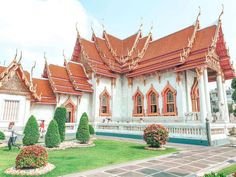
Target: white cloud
x,y
35,26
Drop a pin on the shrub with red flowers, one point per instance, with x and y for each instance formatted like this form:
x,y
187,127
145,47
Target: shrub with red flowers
x,y
155,135
34,156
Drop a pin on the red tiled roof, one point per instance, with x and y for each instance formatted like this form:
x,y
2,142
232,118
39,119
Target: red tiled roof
x,y
60,80
44,89
109,55
78,77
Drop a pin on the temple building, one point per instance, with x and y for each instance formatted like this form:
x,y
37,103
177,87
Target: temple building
x,y
125,84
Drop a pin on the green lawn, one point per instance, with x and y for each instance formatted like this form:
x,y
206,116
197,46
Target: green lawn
x,y
106,152
229,170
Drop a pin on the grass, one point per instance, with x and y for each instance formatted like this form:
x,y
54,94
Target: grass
x,y
229,170
106,152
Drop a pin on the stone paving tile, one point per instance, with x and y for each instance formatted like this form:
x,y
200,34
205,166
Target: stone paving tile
x,y
170,164
217,158
198,165
209,162
131,167
189,168
101,174
191,158
167,159
178,172
155,161
182,161
160,167
145,164
163,174
131,174
116,171
147,171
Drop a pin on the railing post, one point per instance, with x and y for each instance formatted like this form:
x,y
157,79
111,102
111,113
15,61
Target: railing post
x,y
208,132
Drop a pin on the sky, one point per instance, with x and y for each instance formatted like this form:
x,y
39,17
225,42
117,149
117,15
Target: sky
x,y
38,26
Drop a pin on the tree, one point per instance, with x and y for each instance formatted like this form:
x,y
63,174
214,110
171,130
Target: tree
x,y
31,132
52,137
82,134
233,86
60,117
91,130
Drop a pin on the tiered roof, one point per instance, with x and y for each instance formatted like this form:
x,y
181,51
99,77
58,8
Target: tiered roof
x,y
187,49
70,79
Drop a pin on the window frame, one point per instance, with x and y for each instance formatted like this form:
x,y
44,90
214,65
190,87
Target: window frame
x,y
108,100
135,101
149,102
169,88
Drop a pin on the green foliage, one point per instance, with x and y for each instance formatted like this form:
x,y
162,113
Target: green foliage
x,y
2,136
52,137
60,117
234,96
82,134
215,175
215,110
233,83
31,132
91,130
234,113
34,156
230,108
155,135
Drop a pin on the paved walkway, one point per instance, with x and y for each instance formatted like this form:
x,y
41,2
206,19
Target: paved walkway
x,y
190,161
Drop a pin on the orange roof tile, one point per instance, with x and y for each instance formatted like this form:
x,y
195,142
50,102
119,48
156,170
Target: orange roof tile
x,y
79,77
60,80
44,89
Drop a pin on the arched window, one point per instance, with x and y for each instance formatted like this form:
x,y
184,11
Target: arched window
x,y
105,103
169,101
70,111
138,103
195,96
152,102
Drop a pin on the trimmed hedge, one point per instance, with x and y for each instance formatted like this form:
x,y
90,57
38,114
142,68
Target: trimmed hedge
x,y
82,134
91,130
52,137
2,136
215,175
155,135
34,156
60,117
31,132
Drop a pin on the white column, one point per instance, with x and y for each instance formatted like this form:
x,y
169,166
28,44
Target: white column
x,y
207,95
203,111
220,96
226,104
188,90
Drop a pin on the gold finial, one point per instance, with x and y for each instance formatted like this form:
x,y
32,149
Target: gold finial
x,y
15,56
151,29
77,30
141,24
92,28
20,57
63,54
221,12
32,69
103,27
199,13
45,58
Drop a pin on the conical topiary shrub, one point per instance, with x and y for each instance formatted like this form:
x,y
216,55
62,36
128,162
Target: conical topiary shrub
x,y
91,130
60,117
52,137
82,134
31,132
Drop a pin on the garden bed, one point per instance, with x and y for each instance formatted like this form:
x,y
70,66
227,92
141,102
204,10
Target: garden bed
x,y
72,160
71,144
30,172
